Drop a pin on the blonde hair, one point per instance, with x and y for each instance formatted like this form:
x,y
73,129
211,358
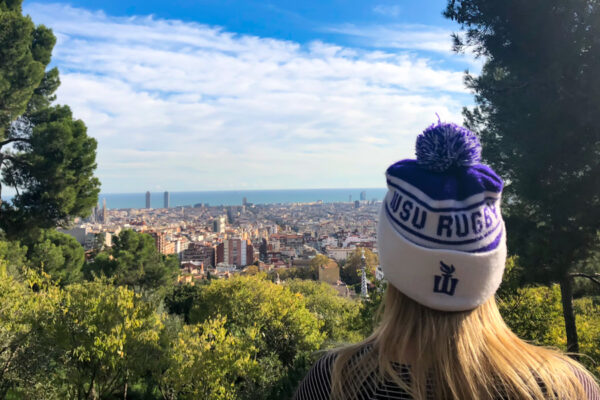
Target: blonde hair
x,y
470,355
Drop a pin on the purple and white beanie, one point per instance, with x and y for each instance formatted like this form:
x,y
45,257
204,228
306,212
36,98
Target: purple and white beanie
x,y
441,238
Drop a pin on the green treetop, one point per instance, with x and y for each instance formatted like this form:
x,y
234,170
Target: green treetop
x,y
45,154
350,272
286,333
133,260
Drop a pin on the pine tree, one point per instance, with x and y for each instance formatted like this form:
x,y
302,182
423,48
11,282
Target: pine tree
x,y
46,155
536,104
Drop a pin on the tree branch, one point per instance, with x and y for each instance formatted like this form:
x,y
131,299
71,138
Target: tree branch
x,y
12,159
592,277
12,140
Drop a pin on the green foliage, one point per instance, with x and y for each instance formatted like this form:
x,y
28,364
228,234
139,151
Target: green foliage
x,y
46,155
208,362
24,54
591,267
58,255
535,314
26,353
53,170
181,300
105,333
319,261
284,274
512,279
350,273
86,341
339,315
588,325
287,332
13,255
134,261
251,270
369,313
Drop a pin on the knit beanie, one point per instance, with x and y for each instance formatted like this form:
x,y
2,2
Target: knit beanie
x,y
441,238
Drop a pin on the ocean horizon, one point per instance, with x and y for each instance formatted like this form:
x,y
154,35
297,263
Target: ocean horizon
x,y
236,197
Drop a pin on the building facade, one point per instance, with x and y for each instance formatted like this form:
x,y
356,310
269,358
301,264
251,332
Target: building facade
x,y
162,244
236,251
199,252
219,224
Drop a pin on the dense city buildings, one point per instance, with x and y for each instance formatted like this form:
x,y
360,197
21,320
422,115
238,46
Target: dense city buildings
x,y
218,241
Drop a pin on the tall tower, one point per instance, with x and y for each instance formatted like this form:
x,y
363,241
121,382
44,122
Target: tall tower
x,y
363,279
104,216
95,214
166,200
148,199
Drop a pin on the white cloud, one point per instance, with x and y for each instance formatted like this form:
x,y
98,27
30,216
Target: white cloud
x,y
387,10
407,37
191,107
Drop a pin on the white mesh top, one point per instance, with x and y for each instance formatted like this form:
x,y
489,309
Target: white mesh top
x,y
317,384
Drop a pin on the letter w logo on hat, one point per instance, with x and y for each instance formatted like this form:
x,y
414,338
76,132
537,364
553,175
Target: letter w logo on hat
x,y
445,283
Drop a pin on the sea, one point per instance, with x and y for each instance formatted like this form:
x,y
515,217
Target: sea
x,y
236,197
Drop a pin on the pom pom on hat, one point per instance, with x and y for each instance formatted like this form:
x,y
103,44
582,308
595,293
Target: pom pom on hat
x,y
445,145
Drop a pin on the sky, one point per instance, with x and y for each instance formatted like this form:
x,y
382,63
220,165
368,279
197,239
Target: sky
x,y
189,95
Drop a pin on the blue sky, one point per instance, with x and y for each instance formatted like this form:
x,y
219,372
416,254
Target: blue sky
x,y
216,95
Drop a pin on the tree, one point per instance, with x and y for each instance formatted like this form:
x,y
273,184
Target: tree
x,y
287,333
45,155
350,273
340,315
536,102
319,261
251,270
13,255
26,351
58,255
181,300
535,314
134,261
309,273
106,335
370,310
24,54
588,323
208,362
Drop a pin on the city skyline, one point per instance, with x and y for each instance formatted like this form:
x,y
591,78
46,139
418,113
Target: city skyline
x,y
190,96
154,200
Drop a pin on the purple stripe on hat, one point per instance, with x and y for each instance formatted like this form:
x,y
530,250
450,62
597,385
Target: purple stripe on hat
x,y
456,183
490,246
434,209
439,241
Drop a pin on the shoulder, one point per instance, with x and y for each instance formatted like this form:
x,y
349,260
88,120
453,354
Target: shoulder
x,y
589,385
316,385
